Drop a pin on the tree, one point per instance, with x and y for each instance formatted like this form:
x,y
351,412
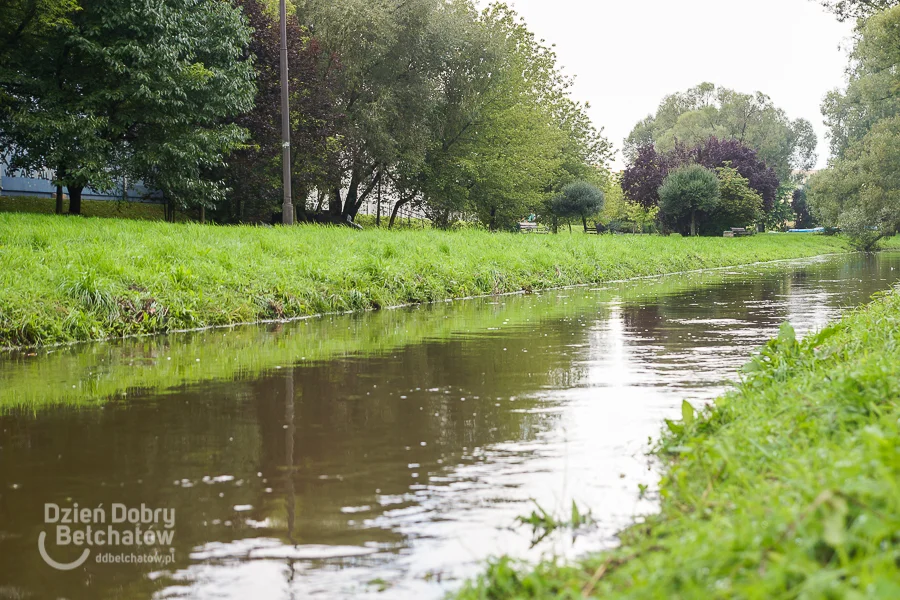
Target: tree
x,y
451,109
578,199
132,90
253,174
873,90
687,191
860,192
715,153
25,22
644,176
639,216
739,205
692,117
846,10
615,206
392,55
799,205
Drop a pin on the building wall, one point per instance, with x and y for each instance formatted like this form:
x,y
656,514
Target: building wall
x,y
16,184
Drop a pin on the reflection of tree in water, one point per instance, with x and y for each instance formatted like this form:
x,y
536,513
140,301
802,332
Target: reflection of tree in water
x,y
362,422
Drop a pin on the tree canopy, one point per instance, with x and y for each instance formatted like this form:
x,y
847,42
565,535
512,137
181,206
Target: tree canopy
x,y
129,89
643,177
860,191
687,191
739,205
578,199
690,118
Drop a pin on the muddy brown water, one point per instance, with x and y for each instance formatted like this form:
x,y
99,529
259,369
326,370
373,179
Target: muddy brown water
x,y
383,455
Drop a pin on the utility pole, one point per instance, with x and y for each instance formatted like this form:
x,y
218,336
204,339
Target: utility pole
x,y
287,209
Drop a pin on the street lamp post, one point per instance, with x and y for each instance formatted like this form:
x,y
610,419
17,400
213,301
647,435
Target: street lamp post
x,y
287,209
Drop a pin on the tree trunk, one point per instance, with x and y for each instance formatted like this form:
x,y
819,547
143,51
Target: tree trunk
x,y
584,222
203,214
75,199
335,205
493,223
555,224
693,223
59,200
354,203
378,208
394,212
570,225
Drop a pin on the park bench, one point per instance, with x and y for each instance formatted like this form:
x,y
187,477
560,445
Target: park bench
x,y
737,232
529,227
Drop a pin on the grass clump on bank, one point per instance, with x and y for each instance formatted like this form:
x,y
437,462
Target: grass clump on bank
x,y
71,279
788,487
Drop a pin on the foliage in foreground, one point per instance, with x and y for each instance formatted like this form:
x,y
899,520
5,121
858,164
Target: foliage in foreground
x,y
788,487
67,279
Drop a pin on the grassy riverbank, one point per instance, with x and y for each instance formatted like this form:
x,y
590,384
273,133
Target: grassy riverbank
x,y
789,487
70,279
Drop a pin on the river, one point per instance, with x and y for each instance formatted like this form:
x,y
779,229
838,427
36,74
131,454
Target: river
x,y
385,454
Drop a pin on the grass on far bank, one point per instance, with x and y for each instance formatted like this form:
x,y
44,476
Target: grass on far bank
x,y
789,487
112,209
70,279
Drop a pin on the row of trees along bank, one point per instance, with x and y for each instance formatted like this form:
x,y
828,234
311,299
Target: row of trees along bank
x,y
442,106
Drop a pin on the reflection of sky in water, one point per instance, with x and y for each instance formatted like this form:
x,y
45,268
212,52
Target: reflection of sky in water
x,y
410,467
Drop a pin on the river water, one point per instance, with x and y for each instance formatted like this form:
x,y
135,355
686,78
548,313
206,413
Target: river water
x,y
383,455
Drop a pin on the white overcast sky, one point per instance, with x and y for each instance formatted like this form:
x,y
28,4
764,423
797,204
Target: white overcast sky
x,y
627,55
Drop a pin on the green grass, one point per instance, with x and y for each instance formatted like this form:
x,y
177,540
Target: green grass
x,y
788,487
71,279
90,208
891,243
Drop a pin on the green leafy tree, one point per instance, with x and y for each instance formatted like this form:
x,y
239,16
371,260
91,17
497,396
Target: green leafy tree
x,y
860,192
739,205
640,216
800,207
873,90
131,90
777,219
578,200
25,22
687,195
691,118
615,205
253,175
392,55
455,111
